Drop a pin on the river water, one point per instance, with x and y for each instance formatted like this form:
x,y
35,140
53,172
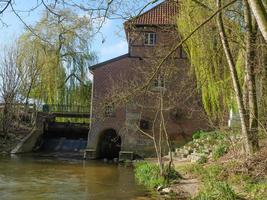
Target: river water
x,y
44,178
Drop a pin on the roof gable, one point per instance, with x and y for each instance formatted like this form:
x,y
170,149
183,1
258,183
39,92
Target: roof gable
x,y
162,14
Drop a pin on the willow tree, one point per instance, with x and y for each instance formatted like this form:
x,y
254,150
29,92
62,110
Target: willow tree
x,y
60,44
226,57
206,57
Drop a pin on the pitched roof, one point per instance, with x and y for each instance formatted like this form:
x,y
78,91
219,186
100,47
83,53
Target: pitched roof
x,y
162,14
108,61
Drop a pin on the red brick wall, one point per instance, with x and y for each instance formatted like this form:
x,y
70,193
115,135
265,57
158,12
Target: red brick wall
x,y
120,73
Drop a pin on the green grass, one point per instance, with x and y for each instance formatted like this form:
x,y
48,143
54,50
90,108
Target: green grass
x,y
219,183
148,174
219,151
215,190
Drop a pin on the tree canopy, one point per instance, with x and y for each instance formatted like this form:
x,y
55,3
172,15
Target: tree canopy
x,y
61,57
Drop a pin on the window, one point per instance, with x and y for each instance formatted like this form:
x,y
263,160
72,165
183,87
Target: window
x,y
150,38
159,82
109,110
144,124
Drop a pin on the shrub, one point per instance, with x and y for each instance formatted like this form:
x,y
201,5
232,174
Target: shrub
x,y
197,134
149,175
219,151
213,135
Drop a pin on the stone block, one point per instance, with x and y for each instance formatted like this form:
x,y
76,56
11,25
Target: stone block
x,y
126,155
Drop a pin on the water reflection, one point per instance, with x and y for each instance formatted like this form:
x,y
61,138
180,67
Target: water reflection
x,y
28,178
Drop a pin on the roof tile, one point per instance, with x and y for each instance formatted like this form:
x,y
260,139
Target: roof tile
x,y
162,14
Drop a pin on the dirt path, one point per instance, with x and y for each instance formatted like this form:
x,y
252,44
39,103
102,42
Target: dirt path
x,y
190,186
186,187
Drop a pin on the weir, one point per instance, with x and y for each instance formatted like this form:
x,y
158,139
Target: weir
x,y
57,130
64,137
63,129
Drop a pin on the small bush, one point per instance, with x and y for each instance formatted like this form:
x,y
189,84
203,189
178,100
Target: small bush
x,y
213,135
197,134
219,151
149,175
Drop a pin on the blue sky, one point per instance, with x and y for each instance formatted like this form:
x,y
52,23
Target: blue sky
x,y
115,43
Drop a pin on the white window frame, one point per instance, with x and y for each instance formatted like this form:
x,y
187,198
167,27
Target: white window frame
x,y
150,38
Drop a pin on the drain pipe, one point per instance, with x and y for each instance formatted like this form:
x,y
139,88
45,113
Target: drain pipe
x,y
91,116
91,108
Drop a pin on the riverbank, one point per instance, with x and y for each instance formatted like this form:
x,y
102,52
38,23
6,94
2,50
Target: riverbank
x,y
180,187
13,138
229,177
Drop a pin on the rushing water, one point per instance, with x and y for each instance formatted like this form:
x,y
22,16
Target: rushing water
x,y
41,178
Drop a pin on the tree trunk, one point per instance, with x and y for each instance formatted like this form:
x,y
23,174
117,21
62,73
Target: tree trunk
x,y
236,84
250,38
260,14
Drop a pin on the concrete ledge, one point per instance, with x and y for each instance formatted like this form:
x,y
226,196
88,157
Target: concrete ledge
x,y
126,155
27,144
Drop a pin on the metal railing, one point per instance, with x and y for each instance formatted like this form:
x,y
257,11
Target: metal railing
x,y
55,108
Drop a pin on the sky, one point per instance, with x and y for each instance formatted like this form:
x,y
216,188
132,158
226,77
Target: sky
x,y
114,43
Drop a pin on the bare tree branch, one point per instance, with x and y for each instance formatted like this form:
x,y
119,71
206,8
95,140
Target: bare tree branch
x,y
8,3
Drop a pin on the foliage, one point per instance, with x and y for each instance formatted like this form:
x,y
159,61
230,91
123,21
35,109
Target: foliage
x,y
219,151
203,159
149,175
213,184
61,55
214,190
212,135
212,74
257,190
197,134
222,182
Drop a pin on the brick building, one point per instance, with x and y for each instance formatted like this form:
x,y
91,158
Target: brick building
x,y
122,111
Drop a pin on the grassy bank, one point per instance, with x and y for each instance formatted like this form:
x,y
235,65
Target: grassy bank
x,y
226,181
148,174
222,172
230,176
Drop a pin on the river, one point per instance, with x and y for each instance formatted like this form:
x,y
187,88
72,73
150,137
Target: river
x,y
45,178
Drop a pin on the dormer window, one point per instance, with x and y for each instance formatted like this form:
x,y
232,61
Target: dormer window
x,y
150,39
